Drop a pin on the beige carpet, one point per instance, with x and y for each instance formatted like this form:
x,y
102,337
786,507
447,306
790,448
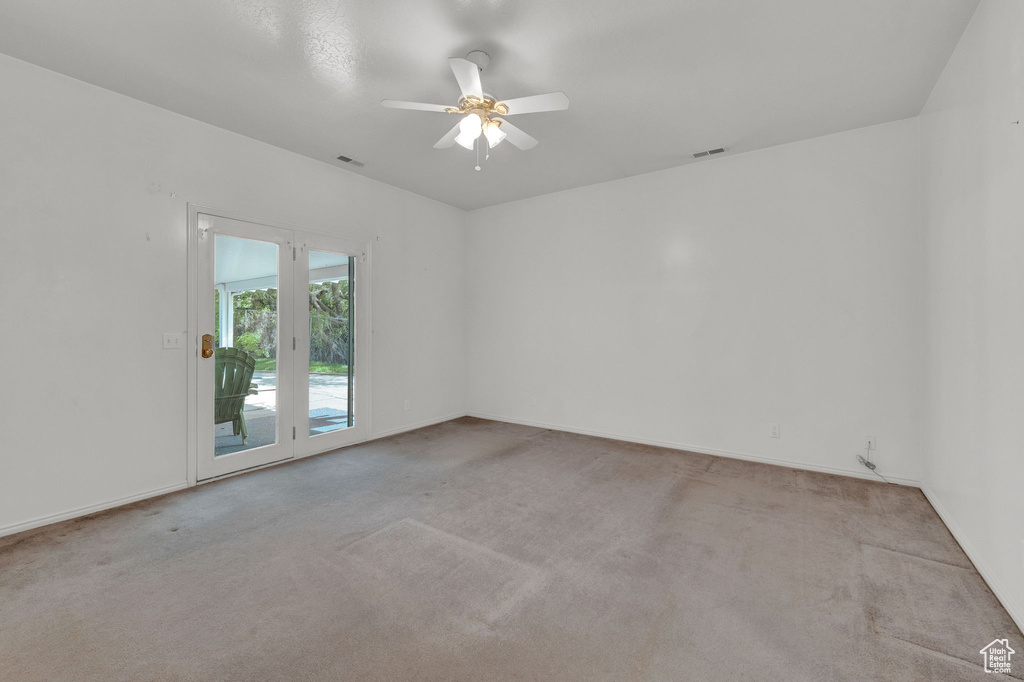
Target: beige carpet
x,y
478,550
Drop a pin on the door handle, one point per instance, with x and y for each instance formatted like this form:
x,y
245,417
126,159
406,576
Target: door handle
x,y
207,345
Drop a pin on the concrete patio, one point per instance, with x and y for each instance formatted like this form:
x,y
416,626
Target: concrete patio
x,y
328,411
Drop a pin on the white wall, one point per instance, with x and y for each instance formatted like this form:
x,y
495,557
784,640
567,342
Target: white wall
x,y
689,307
975,281
93,271
694,306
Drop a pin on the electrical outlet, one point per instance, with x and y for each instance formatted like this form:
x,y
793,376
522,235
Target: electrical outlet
x,y
872,443
174,340
408,404
774,431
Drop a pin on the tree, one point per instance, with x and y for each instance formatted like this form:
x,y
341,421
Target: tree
x,y
256,314
329,328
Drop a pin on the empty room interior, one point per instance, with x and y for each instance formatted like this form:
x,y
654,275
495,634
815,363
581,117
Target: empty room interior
x,y
512,340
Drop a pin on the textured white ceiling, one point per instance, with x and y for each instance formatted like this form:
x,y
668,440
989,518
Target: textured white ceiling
x,y
650,81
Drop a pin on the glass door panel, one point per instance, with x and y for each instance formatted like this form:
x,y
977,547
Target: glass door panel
x,y
245,372
245,360
331,342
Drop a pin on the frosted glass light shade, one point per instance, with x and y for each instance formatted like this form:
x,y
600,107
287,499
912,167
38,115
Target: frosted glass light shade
x,y
469,129
493,133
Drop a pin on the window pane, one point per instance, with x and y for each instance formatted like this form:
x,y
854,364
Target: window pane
x,y
331,343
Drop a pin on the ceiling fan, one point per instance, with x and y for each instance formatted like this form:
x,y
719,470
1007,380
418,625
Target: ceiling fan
x,y
481,114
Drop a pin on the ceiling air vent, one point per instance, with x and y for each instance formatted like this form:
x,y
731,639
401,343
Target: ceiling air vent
x,y
349,159
709,152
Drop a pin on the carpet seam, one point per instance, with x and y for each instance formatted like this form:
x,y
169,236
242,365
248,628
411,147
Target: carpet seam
x,y
916,556
943,654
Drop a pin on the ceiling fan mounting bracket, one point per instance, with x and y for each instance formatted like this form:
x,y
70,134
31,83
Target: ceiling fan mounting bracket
x,y
480,58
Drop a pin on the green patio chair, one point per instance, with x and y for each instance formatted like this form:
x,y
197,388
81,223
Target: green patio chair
x,y
233,369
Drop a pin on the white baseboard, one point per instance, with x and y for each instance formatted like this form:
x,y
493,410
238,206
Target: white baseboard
x,y
997,587
703,450
103,506
91,509
417,425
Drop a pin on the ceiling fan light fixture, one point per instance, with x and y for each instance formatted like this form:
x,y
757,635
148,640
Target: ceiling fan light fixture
x,y
465,141
477,108
493,133
472,125
470,128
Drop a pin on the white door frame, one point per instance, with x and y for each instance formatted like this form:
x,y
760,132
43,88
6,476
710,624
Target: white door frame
x,y
362,381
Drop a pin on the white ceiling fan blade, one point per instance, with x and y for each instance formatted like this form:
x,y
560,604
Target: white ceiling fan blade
x,y
449,139
552,101
417,106
517,136
468,75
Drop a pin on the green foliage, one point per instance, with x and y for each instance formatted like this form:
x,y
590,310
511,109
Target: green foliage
x,y
250,343
327,368
330,328
270,365
255,318
330,331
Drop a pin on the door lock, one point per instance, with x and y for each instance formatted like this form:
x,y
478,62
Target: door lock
x,y
207,345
